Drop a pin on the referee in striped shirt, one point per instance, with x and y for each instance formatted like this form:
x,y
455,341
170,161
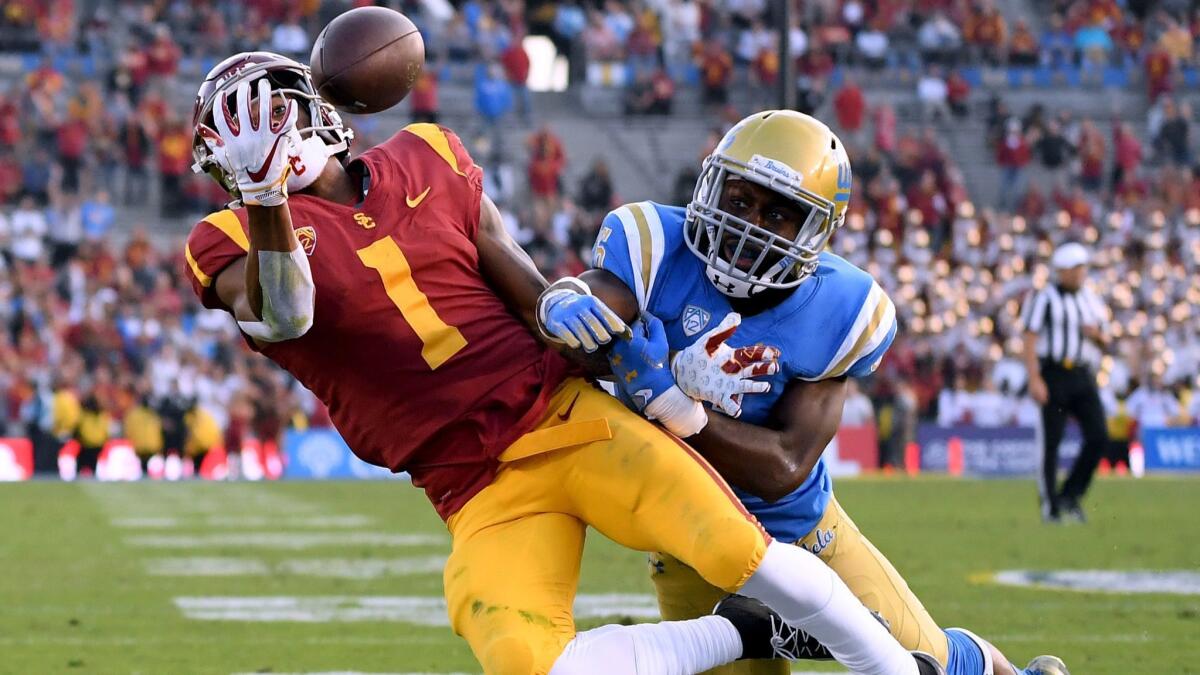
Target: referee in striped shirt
x,y
1065,329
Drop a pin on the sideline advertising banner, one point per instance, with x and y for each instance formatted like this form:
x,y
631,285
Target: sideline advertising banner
x,y
321,453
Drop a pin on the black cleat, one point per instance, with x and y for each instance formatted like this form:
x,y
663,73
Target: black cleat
x,y
927,665
1070,508
765,635
1050,512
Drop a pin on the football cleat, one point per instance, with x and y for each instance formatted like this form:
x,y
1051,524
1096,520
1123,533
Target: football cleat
x,y
927,664
1046,665
1070,508
765,635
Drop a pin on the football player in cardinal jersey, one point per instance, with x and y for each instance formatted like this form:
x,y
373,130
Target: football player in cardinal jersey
x,y
738,285
388,286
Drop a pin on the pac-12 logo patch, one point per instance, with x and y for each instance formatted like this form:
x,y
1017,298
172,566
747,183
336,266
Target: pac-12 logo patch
x,y
308,238
695,319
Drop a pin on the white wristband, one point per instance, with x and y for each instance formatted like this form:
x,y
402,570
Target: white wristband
x,y
681,414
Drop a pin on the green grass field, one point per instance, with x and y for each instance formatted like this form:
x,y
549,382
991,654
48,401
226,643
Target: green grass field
x,y
162,578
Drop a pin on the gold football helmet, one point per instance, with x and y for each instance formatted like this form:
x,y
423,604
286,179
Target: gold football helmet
x,y
785,151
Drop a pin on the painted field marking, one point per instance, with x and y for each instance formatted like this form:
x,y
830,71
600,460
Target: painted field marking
x,y
329,568
206,567
418,610
283,540
236,521
369,568
1173,582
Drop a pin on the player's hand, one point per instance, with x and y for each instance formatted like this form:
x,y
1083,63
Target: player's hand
x,y
568,313
710,370
1038,390
639,364
255,144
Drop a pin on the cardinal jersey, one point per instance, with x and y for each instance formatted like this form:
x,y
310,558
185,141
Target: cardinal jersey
x,y
422,367
837,323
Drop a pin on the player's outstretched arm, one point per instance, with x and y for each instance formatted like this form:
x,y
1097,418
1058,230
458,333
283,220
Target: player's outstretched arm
x,y
507,268
256,139
772,461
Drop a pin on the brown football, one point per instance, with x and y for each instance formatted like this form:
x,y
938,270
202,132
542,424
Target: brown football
x,y
367,59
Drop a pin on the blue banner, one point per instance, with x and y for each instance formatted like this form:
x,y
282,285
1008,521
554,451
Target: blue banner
x,y
992,451
321,453
1171,449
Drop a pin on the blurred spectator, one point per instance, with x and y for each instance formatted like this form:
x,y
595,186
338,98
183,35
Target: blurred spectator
x,y
65,229
1057,46
1152,404
857,410
958,93
650,94
850,107
933,93
716,69
1053,148
546,164
599,41
98,216
987,31
1023,47
29,228
596,190
92,433
1127,151
1173,140
872,45
290,39
516,69
493,95
1013,155
174,164
424,97
939,39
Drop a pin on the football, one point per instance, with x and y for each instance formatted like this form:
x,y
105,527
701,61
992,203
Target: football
x,y
367,60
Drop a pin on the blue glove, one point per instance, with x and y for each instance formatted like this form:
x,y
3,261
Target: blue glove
x,y
640,365
568,313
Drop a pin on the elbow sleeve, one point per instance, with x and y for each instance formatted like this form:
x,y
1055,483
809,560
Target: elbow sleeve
x,y
288,296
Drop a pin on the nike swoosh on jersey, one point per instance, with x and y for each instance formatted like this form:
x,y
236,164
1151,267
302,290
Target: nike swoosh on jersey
x,y
257,176
566,414
413,203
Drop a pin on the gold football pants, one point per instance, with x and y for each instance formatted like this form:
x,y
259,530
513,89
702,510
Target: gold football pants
x,y
511,578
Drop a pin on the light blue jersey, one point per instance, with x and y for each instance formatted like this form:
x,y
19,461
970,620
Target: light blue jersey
x,y
839,322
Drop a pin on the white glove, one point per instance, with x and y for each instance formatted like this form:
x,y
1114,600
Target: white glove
x,y
258,153
710,370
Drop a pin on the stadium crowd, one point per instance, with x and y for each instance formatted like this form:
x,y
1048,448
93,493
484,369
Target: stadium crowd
x,y
105,339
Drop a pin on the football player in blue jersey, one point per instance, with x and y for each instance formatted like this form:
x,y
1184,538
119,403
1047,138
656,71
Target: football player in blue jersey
x,y
737,296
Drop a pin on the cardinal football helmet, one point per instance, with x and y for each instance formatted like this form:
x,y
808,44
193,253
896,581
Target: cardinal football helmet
x,y
326,132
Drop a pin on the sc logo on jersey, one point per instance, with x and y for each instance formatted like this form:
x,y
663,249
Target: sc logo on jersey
x,y
695,319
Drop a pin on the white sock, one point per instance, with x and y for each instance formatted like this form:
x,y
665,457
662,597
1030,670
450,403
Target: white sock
x,y
809,596
666,648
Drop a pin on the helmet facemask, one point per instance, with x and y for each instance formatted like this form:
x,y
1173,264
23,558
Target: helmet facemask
x,y
722,240
324,137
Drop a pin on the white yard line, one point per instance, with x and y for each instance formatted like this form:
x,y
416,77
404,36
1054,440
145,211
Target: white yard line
x,y
206,567
419,610
233,521
329,568
283,540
